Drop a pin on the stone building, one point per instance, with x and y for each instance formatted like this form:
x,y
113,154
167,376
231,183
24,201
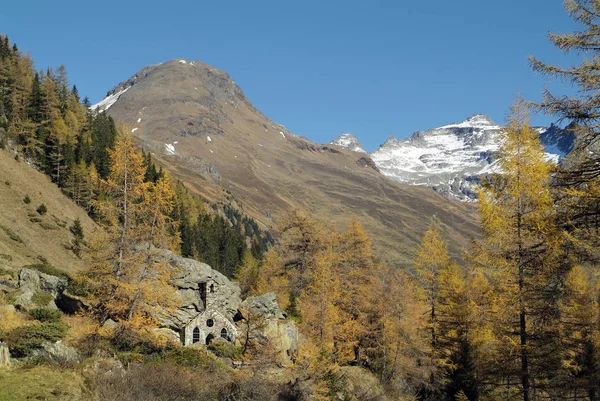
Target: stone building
x,y
209,323
208,302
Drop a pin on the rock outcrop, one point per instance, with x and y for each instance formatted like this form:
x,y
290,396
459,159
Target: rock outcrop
x,y
31,281
268,322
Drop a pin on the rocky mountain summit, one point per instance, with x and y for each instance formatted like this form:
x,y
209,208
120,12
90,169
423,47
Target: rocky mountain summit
x,y
452,158
348,141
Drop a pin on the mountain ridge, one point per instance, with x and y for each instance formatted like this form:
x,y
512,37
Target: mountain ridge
x,y
452,158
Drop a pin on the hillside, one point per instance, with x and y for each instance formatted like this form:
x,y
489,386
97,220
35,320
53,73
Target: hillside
x,y
26,237
199,125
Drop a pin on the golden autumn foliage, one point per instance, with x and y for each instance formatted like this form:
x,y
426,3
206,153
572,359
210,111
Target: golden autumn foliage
x,y
127,284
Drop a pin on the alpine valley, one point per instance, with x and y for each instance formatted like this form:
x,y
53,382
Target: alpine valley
x,y
199,126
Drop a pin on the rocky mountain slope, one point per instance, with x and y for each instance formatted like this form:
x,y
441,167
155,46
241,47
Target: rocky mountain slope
x,y
26,236
348,141
450,159
199,125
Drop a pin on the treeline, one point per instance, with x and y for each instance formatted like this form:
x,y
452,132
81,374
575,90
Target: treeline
x,y
58,133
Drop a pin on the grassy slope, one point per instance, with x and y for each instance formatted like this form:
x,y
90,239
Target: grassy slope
x,y
40,383
33,241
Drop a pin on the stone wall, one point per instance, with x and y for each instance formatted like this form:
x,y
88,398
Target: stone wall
x,y
202,323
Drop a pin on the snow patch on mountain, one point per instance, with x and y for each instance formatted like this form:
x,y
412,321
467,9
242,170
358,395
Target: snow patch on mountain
x,y
452,158
348,141
108,101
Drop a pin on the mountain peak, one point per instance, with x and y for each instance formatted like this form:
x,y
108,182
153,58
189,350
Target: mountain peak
x,y
349,141
475,121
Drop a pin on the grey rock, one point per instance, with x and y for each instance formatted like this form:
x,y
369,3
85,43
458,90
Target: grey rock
x,y
110,324
263,305
58,352
32,281
268,322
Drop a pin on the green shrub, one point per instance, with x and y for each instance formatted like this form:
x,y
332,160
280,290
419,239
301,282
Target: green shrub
x,y
41,298
35,219
47,269
226,350
23,340
6,257
46,315
6,272
27,200
48,226
7,183
42,209
186,357
11,234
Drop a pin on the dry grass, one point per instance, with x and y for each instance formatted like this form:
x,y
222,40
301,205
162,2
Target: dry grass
x,y
40,383
25,239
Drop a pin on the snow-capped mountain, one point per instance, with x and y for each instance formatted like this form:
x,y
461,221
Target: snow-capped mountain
x,y
450,159
348,141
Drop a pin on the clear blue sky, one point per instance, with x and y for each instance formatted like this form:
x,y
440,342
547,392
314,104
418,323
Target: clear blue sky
x,y
319,67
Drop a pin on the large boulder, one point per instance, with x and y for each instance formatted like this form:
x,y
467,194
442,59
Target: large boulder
x,y
268,322
263,305
59,353
32,281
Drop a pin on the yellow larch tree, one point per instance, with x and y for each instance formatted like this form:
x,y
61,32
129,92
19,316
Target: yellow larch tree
x,y
580,333
319,303
128,286
522,244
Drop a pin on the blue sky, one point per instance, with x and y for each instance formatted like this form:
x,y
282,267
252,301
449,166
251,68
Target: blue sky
x,y
321,68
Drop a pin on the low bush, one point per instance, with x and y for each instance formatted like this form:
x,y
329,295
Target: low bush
x,y
42,209
46,314
48,269
42,298
11,234
48,226
23,340
27,200
225,349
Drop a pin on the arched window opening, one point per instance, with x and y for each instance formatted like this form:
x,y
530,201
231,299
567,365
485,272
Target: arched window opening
x,y
212,288
196,335
210,323
224,333
209,339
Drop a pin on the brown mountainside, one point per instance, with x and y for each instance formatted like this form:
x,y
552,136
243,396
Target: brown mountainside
x,y
199,125
27,237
